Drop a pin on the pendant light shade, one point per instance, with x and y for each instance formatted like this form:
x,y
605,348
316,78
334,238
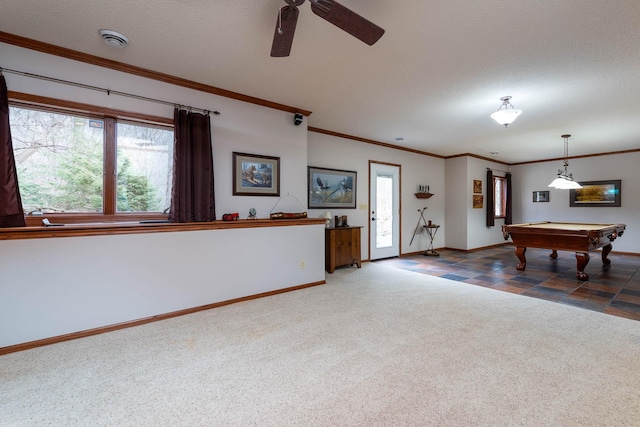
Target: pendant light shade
x,y
506,113
565,181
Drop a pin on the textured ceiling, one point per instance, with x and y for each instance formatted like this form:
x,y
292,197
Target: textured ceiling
x,y
434,78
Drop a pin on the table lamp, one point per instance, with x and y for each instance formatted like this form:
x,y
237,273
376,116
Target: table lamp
x,y
327,219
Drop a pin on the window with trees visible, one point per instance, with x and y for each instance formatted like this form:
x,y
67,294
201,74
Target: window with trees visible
x,y
69,162
499,196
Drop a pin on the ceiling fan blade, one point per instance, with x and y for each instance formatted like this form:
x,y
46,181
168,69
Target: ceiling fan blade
x,y
285,29
347,20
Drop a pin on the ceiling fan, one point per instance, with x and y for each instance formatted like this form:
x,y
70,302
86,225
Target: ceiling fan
x,y
331,11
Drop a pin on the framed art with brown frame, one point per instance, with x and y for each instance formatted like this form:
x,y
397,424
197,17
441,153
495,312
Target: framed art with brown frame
x,y
331,188
478,201
597,194
477,186
255,175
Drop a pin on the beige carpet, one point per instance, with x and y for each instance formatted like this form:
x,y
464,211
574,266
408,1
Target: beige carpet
x,y
375,346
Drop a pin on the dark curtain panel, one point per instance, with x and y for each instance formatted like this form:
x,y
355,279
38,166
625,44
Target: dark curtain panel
x,y
508,210
11,213
192,198
490,202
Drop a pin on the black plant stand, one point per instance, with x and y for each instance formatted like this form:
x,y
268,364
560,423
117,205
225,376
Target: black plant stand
x,y
432,229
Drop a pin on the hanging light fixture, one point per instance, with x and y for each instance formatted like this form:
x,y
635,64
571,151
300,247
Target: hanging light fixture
x,y
565,181
506,113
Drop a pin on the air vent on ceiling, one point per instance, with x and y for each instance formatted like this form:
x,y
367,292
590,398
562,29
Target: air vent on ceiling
x,y
113,38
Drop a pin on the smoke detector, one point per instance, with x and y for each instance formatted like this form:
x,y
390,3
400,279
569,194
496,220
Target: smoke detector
x,y
113,38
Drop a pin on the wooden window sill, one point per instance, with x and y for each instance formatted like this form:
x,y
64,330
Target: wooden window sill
x,y
135,227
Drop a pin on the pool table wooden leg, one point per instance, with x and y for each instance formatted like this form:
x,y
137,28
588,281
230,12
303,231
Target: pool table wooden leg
x,y
605,252
583,260
554,254
520,250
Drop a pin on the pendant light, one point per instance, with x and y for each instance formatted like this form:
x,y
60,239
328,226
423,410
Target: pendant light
x,y
565,181
506,113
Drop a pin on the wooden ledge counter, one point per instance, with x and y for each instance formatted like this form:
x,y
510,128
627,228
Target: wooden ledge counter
x,y
132,227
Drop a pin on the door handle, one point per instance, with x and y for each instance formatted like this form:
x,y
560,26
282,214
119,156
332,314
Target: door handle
x,y
373,219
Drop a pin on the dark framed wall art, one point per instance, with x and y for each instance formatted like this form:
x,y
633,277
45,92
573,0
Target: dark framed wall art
x,y
597,194
255,175
540,196
331,188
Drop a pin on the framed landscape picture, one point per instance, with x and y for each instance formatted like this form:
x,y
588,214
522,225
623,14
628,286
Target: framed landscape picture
x,y
331,188
597,194
255,175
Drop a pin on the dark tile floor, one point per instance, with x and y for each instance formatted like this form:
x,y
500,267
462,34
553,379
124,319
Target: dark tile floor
x,y
613,290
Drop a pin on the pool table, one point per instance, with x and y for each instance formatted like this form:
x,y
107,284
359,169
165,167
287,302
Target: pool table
x,y
567,236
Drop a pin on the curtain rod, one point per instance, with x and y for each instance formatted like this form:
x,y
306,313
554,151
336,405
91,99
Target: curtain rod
x,y
107,91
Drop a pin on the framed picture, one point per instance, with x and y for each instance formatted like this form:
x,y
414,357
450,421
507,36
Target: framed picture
x,y
597,194
478,201
540,196
331,188
255,175
477,186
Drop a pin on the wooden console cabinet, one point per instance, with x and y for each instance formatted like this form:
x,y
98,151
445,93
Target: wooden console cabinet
x,y
342,247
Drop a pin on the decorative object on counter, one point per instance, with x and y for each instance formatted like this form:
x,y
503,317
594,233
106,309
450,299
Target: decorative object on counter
x,y
252,213
340,221
423,192
421,219
327,219
477,186
287,215
331,188
255,175
231,216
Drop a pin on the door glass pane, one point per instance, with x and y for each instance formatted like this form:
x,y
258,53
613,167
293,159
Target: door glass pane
x,y
59,158
384,211
145,167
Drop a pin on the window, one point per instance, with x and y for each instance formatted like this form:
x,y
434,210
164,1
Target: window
x,y
499,196
76,163
145,165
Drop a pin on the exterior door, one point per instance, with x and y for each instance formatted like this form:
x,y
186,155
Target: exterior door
x,y
384,210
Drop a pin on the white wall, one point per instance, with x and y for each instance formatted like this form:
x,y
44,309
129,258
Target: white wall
x,y
537,176
457,202
55,286
466,226
478,234
416,169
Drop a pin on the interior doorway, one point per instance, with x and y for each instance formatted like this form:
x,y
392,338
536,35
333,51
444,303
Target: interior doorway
x,y
384,210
